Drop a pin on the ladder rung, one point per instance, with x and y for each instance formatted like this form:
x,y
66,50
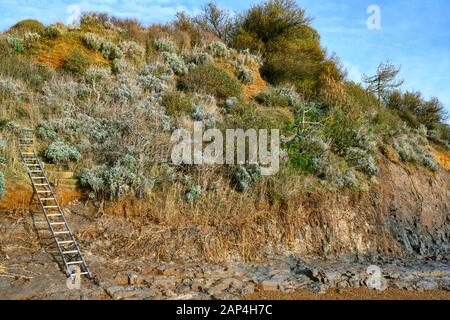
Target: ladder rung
x,y
32,164
70,252
61,232
43,191
57,223
50,207
48,199
65,242
28,153
74,262
41,184
54,215
37,177
35,171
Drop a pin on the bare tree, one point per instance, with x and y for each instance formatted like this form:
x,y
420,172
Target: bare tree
x,y
216,20
384,81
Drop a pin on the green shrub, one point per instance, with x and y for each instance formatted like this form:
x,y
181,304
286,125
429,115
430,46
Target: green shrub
x,y
231,102
308,153
52,32
192,194
245,75
197,57
413,148
92,178
61,153
46,130
164,45
91,41
247,116
31,39
280,96
114,182
218,49
200,114
362,160
77,62
110,50
209,79
244,176
132,50
16,43
176,103
429,162
175,63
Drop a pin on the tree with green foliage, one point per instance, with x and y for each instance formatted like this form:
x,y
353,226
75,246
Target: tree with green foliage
x,y
415,110
384,81
281,32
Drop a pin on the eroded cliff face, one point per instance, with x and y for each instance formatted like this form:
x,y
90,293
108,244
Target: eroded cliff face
x,y
407,213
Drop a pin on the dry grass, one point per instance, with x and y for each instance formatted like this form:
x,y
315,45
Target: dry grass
x,y
219,226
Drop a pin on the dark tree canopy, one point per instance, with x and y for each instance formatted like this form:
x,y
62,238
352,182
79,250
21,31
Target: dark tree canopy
x,y
281,32
413,108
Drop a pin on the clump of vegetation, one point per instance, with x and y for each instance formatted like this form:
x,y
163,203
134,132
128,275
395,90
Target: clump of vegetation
x,y
175,63
31,39
176,103
110,50
279,96
115,182
28,25
61,153
165,45
244,176
91,41
52,31
211,79
77,62
9,88
132,50
362,160
290,47
231,102
197,57
218,49
413,148
47,131
245,75
200,114
192,194
16,43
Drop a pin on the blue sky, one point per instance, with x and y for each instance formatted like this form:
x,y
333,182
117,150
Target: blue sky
x,y
415,34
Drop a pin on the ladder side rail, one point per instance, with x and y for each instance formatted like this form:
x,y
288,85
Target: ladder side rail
x,y
45,211
61,211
